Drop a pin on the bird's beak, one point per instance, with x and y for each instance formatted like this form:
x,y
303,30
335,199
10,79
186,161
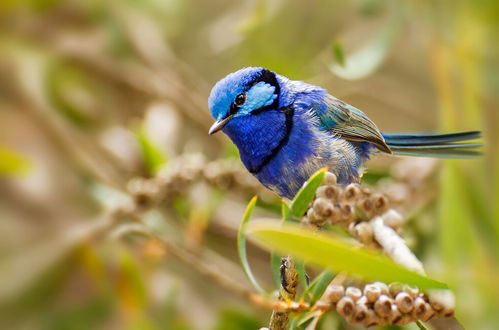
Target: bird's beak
x,y
218,125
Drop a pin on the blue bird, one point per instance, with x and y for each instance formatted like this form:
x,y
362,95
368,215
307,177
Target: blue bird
x,y
286,130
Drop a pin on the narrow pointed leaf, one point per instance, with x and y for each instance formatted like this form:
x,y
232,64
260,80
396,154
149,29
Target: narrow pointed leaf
x,y
338,53
334,253
367,59
306,319
285,211
241,245
305,195
316,289
302,275
421,325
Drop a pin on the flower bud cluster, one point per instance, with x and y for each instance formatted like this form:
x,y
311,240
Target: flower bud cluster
x,y
349,206
180,173
378,304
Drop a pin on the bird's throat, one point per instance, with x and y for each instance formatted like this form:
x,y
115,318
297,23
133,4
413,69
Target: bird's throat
x,y
288,126
260,137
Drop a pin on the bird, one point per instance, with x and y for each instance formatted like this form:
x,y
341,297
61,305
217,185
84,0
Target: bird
x,y
286,130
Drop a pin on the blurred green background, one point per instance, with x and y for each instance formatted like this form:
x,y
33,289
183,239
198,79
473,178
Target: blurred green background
x,y
94,93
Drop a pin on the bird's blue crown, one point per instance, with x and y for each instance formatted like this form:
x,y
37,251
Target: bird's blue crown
x,y
256,87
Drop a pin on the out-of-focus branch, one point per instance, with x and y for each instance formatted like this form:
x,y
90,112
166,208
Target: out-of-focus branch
x,y
87,155
152,79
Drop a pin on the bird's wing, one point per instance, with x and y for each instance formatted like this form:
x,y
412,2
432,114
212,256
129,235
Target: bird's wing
x,y
348,122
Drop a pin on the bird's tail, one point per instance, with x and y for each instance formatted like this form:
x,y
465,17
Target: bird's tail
x,y
441,146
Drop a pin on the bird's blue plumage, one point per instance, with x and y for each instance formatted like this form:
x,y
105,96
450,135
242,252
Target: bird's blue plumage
x,y
286,130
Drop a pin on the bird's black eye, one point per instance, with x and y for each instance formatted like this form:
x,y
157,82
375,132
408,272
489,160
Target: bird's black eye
x,y
240,99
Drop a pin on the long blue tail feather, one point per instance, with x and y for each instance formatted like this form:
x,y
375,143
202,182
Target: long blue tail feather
x,y
420,139
441,145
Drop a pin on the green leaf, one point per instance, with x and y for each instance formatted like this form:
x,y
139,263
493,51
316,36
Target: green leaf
x,y
306,193
318,286
153,157
368,58
421,325
302,275
285,211
13,163
306,319
334,253
337,50
241,245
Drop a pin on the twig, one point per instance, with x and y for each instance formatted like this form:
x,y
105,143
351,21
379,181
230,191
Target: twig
x,y
289,282
394,246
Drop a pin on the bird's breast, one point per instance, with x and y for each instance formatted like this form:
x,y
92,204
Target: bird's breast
x,y
283,156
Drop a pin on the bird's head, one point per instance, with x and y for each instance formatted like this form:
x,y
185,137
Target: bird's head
x,y
243,93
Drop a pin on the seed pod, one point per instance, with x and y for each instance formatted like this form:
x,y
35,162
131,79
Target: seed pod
x,y
360,313
429,313
395,314
306,222
419,308
366,206
353,293
404,319
347,212
362,300
383,306
351,228
395,288
224,180
412,291
310,214
364,232
329,178
144,191
323,208
365,191
372,292
371,319
404,302
335,216
447,312
329,192
345,307
334,293
440,299
314,219
435,304
351,192
380,203
383,287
